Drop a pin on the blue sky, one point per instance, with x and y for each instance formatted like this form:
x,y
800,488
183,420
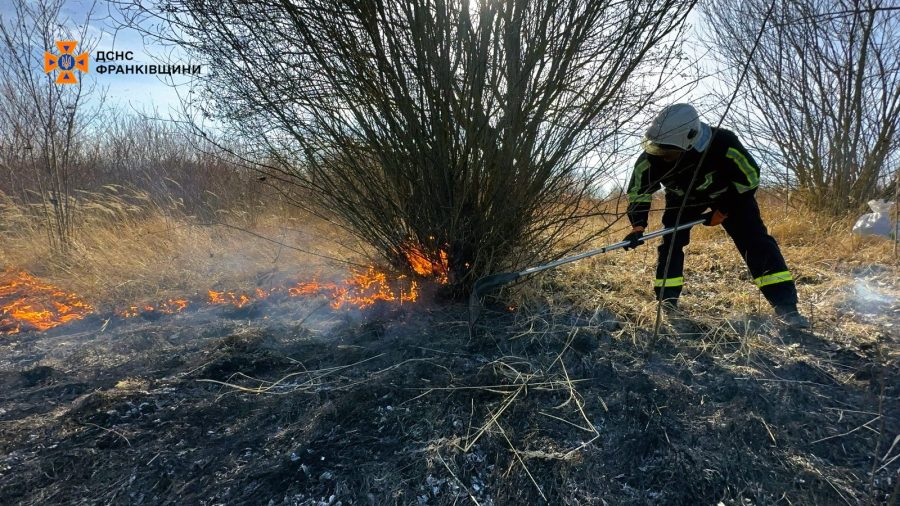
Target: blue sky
x,y
151,94
145,93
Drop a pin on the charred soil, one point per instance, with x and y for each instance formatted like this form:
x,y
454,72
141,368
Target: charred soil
x,y
401,406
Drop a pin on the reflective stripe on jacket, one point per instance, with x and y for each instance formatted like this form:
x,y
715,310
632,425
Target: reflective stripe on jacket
x,y
728,173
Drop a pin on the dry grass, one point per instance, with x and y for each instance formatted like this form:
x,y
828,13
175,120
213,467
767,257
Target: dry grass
x,y
828,262
725,319
565,375
129,249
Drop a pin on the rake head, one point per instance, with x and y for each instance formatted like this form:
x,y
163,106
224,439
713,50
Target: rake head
x,y
482,287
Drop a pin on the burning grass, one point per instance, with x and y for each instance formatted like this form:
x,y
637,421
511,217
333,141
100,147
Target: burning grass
x,y
134,258
567,398
130,250
362,289
421,265
27,303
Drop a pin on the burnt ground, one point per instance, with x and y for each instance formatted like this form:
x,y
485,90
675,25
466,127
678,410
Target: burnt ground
x,y
400,406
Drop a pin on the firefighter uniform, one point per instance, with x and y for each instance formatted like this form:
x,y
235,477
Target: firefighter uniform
x,y
726,182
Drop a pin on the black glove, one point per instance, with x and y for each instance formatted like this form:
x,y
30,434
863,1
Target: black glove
x,y
634,238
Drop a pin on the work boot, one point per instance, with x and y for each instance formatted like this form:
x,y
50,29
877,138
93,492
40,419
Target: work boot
x,y
677,320
670,307
791,316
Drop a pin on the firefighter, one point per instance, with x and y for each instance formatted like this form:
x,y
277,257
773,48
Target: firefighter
x,y
726,183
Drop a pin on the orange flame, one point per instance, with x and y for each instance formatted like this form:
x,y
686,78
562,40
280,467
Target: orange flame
x,y
421,265
235,299
361,290
170,306
26,302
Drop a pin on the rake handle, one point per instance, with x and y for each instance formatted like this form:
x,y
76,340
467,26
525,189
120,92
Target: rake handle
x,y
494,281
573,258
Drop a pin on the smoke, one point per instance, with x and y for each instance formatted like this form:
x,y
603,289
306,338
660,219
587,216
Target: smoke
x,y
874,296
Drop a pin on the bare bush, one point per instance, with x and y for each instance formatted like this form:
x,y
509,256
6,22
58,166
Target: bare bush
x,y
823,91
461,127
176,169
62,143
41,121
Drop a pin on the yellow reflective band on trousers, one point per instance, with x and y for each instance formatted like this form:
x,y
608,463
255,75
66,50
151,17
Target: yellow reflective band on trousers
x,y
771,279
669,282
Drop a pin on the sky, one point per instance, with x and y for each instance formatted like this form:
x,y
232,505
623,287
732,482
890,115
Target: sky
x,y
147,92
154,96
143,93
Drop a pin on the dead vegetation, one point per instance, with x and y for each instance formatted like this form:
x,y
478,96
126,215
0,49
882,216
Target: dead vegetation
x,y
565,398
400,407
131,248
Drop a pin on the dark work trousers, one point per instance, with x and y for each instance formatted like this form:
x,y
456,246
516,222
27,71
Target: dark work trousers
x,y
745,227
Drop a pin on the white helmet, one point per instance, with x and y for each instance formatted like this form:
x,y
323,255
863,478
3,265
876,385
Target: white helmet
x,y
677,126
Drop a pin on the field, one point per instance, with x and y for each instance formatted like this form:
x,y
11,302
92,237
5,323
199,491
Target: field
x,y
561,393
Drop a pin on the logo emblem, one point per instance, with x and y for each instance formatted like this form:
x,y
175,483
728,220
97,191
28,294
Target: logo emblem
x,y
65,62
